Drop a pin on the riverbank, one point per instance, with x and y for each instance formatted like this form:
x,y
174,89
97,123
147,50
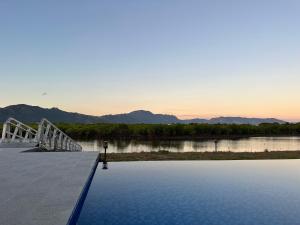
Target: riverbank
x,y
164,155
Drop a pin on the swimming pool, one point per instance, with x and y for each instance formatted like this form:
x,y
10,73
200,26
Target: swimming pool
x,y
195,192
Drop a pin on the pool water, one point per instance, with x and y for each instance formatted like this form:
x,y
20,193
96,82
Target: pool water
x,y
195,193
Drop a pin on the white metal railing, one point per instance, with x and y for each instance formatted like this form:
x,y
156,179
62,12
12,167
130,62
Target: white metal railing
x,y
15,131
48,136
51,138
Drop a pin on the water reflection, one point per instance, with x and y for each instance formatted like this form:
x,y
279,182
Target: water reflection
x,y
255,144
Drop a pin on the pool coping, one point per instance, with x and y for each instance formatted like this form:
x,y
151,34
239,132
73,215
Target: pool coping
x,y
80,202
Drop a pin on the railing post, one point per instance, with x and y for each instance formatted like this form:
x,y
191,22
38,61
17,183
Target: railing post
x,y
60,141
4,131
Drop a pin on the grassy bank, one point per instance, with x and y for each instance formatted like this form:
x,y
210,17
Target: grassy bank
x,y
163,155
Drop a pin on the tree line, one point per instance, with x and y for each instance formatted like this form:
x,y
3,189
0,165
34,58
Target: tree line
x,y
175,131
180,131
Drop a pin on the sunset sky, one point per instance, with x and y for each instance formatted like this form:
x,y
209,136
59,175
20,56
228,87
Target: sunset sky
x,y
190,58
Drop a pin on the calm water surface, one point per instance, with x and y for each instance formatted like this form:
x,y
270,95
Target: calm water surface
x,y
254,144
195,192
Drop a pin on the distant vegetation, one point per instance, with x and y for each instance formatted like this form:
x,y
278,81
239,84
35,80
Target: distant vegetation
x,y
174,131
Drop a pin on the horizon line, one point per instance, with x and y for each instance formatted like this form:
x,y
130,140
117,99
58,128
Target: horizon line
x,y
178,116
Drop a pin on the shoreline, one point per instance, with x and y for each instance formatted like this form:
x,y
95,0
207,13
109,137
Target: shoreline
x,y
171,156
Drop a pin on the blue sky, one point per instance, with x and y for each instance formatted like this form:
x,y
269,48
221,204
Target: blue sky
x,y
189,58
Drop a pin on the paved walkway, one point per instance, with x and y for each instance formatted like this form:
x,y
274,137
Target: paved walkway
x,y
41,188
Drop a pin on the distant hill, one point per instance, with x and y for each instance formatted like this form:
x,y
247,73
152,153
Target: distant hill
x,y
31,114
28,114
140,116
242,120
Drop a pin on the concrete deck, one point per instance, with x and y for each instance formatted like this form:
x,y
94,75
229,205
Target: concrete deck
x,y
41,188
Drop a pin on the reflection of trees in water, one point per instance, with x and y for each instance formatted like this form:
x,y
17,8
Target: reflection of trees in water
x,y
237,145
222,145
121,144
137,143
234,145
114,145
89,145
201,145
168,145
157,145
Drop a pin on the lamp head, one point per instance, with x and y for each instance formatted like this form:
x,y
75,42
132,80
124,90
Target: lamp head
x,y
105,144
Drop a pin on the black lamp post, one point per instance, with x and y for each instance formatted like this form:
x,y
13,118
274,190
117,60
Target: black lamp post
x,y
105,146
216,145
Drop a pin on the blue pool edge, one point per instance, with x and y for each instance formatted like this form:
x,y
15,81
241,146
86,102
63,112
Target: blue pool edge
x,y
78,207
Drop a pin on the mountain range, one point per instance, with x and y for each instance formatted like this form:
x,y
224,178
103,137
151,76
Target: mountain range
x,y
30,114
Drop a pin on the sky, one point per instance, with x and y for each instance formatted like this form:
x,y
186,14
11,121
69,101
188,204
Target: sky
x,y
189,58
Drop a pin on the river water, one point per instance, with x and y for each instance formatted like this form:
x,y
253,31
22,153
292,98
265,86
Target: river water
x,y
253,144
